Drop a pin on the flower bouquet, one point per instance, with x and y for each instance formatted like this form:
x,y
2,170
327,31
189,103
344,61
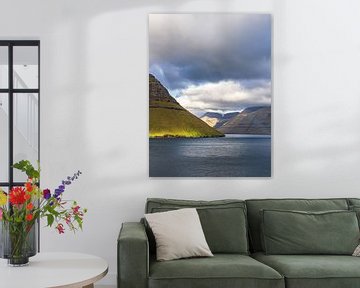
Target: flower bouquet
x,y
21,208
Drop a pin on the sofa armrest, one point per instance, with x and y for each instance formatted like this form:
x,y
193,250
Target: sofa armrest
x,y
133,256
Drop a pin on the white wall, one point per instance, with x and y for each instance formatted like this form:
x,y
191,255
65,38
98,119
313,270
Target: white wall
x,y
94,100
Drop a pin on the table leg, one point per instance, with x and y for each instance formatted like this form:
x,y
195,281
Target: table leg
x,y
89,286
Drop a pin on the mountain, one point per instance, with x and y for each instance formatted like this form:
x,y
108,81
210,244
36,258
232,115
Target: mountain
x,y
169,119
216,120
252,120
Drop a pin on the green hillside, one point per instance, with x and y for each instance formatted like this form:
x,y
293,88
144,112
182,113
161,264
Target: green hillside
x,y
166,122
168,118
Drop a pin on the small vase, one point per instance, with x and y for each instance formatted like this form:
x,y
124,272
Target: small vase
x,y
18,242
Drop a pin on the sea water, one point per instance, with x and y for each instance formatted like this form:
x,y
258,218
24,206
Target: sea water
x,y
230,156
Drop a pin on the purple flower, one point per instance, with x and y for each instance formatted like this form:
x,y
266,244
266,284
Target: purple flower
x,y
58,192
46,194
64,183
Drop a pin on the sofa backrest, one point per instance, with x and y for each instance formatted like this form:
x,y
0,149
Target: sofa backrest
x,y
256,205
223,221
353,202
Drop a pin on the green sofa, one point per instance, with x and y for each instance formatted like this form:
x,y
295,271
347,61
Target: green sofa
x,y
233,230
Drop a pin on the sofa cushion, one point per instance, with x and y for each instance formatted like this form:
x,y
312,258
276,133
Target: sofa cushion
x,y
254,207
223,221
178,234
297,232
353,201
356,209
354,205
313,271
222,270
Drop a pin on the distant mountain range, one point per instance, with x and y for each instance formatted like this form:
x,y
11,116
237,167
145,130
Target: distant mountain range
x,y
169,119
216,120
252,120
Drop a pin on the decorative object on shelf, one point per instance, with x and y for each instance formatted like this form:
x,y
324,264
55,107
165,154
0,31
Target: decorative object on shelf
x,y
21,208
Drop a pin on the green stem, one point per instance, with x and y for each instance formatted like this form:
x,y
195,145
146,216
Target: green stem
x,y
18,237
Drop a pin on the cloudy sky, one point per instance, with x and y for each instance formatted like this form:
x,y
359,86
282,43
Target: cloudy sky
x,y
212,62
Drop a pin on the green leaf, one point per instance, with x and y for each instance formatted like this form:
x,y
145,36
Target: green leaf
x,y
28,168
50,219
52,211
79,221
22,164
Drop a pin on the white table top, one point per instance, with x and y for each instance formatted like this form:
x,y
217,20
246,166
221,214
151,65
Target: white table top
x,y
54,270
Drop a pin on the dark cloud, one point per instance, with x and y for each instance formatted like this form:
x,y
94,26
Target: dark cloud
x,y
192,49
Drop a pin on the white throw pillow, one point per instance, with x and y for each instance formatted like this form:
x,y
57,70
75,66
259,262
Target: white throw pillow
x,y
357,251
178,234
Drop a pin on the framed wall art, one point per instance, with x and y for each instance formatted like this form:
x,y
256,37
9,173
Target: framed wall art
x,y
210,94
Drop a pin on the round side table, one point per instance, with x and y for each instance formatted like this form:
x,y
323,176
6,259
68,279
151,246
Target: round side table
x,y
50,270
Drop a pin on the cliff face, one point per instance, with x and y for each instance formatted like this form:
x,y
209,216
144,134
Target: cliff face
x,y
158,93
167,118
252,120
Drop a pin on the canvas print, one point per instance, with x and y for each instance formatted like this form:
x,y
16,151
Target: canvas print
x,y
210,95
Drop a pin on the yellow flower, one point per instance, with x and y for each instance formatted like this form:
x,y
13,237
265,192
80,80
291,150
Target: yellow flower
x,y
3,198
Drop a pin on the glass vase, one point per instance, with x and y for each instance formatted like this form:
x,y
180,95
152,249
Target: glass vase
x,y
18,242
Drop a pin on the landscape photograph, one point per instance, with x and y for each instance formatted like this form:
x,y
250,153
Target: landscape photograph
x,y
210,94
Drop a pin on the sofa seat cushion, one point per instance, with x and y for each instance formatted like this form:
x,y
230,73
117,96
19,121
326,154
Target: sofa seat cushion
x,y
222,270
313,271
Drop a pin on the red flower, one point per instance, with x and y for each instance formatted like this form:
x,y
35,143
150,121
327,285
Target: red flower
x,y
27,196
29,217
68,219
17,196
29,187
75,209
60,228
29,206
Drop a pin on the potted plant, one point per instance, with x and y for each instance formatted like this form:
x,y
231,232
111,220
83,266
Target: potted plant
x,y
21,208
